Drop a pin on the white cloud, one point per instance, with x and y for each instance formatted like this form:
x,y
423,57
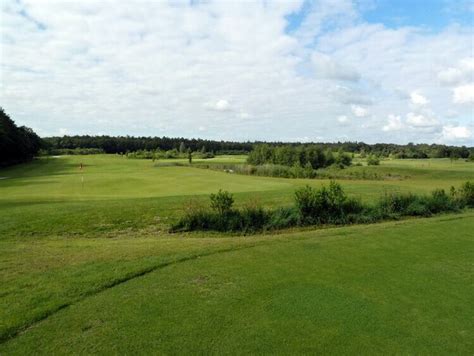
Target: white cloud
x,y
394,123
359,111
462,73
464,94
343,119
454,133
418,99
92,67
420,121
326,67
220,105
450,76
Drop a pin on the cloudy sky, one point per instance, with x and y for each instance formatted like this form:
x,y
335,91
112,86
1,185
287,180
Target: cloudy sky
x,y
323,70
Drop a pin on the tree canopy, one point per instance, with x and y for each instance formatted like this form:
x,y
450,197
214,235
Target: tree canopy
x,y
17,144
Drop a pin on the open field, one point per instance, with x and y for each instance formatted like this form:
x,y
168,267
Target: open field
x,y
87,266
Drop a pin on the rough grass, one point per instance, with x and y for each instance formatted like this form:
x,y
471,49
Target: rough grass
x,y
95,264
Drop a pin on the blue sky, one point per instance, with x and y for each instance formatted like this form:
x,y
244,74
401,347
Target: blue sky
x,y
322,70
433,14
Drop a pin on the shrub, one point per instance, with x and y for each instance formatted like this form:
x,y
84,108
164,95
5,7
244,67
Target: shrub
x,y
253,218
323,205
395,203
373,160
222,202
343,160
196,217
466,193
418,207
439,201
307,203
283,217
317,206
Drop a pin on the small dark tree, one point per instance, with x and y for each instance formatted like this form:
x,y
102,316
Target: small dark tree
x,y
222,202
190,156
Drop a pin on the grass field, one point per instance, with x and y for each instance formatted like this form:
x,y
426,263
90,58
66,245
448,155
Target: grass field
x,y
87,266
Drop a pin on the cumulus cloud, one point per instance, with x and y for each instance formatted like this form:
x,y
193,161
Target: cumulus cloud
x,y
419,120
450,76
220,105
455,133
464,94
343,119
326,67
418,99
170,68
394,123
359,111
462,73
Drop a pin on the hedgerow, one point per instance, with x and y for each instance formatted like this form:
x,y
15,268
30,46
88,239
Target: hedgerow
x,y
313,207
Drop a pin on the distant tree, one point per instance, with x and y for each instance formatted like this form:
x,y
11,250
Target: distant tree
x,y
190,156
373,160
343,159
182,147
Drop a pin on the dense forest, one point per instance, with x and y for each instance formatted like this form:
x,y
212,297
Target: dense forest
x,y
17,144
123,144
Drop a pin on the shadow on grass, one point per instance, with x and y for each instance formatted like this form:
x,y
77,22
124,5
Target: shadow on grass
x,y
39,167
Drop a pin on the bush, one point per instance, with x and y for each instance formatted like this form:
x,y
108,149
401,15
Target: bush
x,y
317,206
395,203
196,217
222,202
326,205
253,217
466,193
418,208
439,201
343,160
282,218
373,160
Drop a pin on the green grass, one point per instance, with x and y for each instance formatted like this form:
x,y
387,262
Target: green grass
x,y
92,269
385,288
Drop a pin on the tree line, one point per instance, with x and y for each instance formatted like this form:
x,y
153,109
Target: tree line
x,y
17,144
309,156
124,144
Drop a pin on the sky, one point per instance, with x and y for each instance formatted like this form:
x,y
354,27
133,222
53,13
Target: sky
x,y
325,70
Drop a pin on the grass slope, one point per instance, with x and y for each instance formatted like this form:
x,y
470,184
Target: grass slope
x,y
392,288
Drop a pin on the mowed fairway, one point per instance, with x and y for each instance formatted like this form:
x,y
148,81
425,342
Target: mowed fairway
x,y
90,267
